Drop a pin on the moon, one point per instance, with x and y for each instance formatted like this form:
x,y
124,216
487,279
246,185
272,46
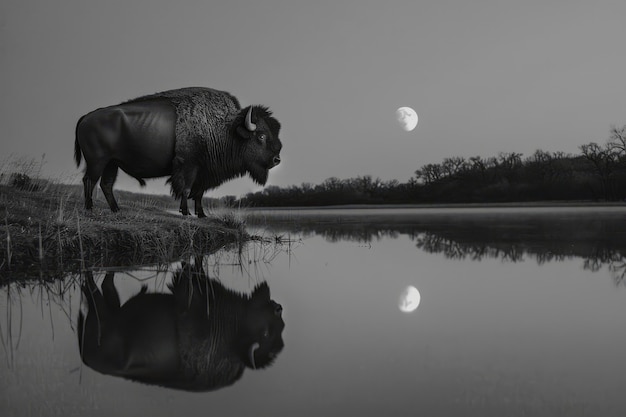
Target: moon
x,y
407,118
409,299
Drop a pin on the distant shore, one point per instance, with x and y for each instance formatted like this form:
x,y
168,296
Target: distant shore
x,y
448,205
415,213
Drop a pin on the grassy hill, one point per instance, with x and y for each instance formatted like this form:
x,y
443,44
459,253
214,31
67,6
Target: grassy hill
x,y
44,229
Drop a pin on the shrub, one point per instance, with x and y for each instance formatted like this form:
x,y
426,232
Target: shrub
x,y
22,182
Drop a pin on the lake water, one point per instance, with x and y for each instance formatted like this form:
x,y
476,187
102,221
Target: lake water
x,y
522,313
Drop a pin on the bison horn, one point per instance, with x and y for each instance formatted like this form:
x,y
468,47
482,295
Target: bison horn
x,y
249,125
253,349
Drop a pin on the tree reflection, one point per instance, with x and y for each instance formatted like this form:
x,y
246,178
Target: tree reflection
x,y
619,271
451,249
514,236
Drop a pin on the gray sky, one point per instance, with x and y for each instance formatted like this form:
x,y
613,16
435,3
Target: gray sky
x,y
485,76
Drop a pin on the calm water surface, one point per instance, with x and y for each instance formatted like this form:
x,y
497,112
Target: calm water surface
x,y
522,312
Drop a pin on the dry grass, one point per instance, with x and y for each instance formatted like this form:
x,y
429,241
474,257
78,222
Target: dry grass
x,y
50,232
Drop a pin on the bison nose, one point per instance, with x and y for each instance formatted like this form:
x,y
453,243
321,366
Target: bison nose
x,y
276,160
278,310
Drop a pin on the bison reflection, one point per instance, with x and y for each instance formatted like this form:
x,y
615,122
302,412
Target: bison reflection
x,y
199,338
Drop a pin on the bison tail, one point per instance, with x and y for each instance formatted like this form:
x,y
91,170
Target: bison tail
x,y
142,183
77,152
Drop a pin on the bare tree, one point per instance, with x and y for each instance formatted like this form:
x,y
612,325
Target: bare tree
x,y
430,173
617,140
604,162
453,166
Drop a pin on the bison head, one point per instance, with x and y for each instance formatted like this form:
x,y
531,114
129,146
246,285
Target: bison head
x,y
258,130
261,334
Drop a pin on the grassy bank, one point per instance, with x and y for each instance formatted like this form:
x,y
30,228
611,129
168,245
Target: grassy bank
x,y
47,232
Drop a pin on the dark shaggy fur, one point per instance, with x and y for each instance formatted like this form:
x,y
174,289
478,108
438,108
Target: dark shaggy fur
x,y
202,126
205,127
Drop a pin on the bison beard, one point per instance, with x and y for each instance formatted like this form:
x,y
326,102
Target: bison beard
x,y
258,174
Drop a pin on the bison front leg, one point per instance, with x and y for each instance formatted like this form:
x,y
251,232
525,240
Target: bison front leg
x,y
184,209
188,176
199,212
198,206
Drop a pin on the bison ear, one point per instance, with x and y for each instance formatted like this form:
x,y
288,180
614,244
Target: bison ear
x,y
243,132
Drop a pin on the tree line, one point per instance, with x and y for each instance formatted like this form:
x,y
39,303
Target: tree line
x,y
597,173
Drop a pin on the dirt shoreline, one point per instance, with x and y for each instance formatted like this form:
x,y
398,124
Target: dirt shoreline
x,y
49,232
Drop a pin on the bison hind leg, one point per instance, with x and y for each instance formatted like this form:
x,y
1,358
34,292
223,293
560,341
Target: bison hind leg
x,y
106,184
109,292
88,185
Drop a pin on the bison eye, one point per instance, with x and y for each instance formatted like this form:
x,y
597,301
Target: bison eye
x,y
262,137
266,334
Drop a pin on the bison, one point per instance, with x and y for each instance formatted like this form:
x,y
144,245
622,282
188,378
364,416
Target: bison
x,y
201,337
198,136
